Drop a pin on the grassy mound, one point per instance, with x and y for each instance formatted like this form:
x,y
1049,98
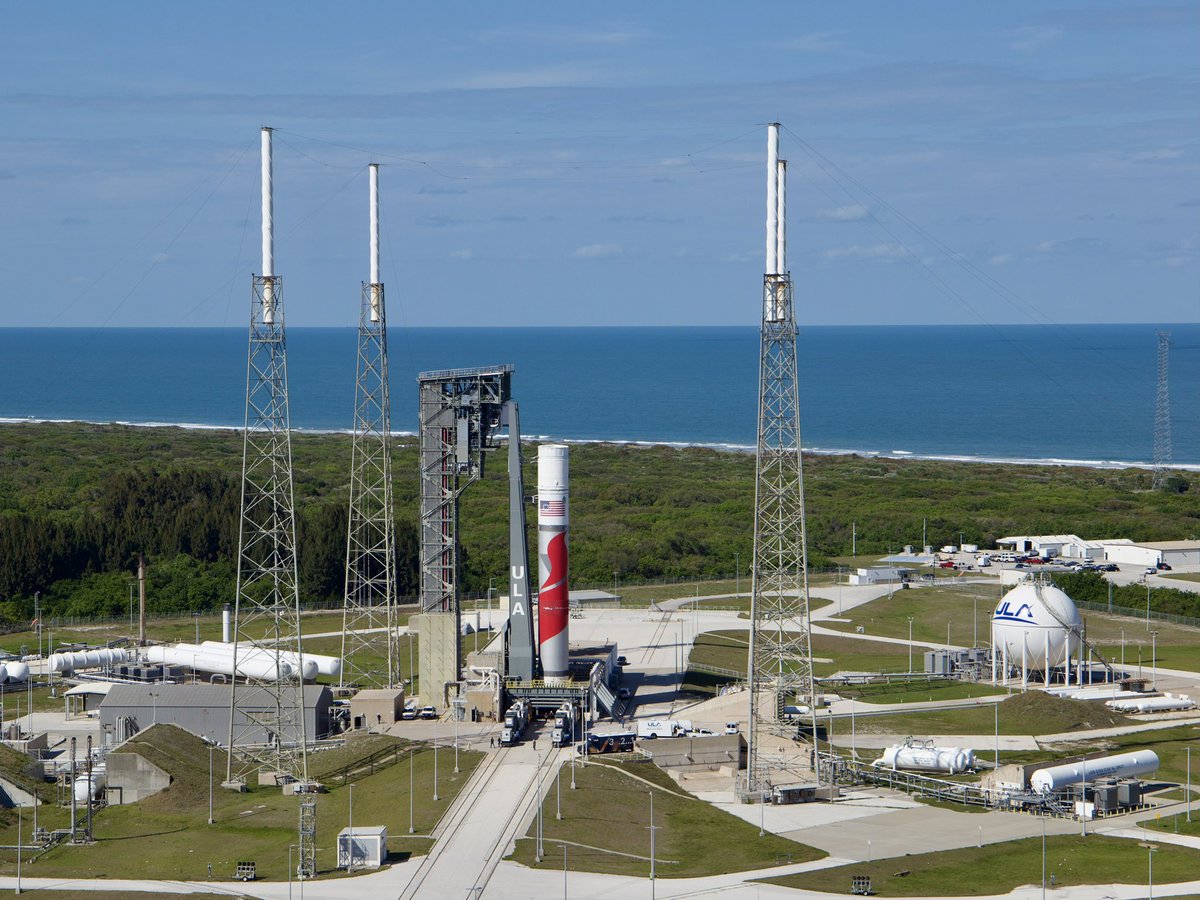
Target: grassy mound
x,y
184,757
1031,712
1046,714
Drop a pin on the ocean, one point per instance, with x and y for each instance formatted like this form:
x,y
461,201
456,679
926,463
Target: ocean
x,y
1079,394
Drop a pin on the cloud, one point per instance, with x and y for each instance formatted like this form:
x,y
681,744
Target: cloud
x,y
576,74
1080,246
851,213
1190,202
812,42
436,220
462,254
1098,18
876,251
598,251
1001,259
564,34
1153,155
440,189
1033,37
645,218
158,257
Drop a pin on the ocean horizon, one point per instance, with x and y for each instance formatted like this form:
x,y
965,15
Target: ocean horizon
x,y
1059,395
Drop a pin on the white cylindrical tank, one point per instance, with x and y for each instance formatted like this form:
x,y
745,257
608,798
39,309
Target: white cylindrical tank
x,y
226,624
321,663
16,671
86,789
256,665
1035,620
1124,765
1151,704
926,759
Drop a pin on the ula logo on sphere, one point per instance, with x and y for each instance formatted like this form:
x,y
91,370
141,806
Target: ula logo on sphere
x,y
1023,613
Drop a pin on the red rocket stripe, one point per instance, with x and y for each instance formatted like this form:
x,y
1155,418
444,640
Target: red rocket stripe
x,y
553,598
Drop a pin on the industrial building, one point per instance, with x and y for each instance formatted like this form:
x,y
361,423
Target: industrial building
x,y
1158,553
203,709
1070,546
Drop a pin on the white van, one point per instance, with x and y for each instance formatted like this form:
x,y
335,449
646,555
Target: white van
x,y
656,728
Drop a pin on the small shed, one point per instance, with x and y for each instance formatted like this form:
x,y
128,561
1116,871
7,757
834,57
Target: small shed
x,y
364,846
376,707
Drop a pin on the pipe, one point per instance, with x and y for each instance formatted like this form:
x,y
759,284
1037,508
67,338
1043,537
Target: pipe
x,y
373,171
141,574
781,218
268,231
226,624
772,266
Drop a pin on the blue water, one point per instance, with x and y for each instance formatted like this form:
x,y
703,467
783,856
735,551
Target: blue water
x,y
1081,393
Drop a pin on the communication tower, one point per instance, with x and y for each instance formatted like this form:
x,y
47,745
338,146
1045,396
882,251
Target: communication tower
x,y
306,867
369,652
267,606
1162,414
780,648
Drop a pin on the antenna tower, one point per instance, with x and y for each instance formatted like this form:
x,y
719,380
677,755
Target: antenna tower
x,y
1162,414
369,652
266,721
780,647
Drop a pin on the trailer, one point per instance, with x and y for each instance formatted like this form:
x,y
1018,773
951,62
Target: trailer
x,y
515,721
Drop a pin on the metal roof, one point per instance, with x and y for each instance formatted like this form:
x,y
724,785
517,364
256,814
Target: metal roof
x,y
199,695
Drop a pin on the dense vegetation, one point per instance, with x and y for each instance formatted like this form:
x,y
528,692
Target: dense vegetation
x,y
78,503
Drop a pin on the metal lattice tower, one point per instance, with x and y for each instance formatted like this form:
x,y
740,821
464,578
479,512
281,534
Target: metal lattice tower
x,y
369,645
1162,414
306,866
267,608
780,648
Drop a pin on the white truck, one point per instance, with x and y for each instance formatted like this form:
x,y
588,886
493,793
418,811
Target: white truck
x,y
656,728
564,726
515,720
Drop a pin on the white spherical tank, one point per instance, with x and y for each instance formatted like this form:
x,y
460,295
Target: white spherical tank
x,y
1035,621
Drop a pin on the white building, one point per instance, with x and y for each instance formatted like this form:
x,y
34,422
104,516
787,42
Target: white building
x,y
368,844
1068,546
880,575
1173,553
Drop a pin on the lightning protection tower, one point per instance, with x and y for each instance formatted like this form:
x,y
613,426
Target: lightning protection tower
x,y
780,666
1162,414
266,720
369,655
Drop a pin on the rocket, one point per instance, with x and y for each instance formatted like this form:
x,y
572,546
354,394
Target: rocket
x,y
553,567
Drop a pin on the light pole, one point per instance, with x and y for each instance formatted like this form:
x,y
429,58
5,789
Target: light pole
x,y
1189,783
456,708
653,829
131,608
411,827
737,574
19,844
196,616
558,790
1147,603
1154,660
350,828
996,717
1122,651
573,755
1150,848
564,850
210,784
910,621
435,793
1043,858
539,851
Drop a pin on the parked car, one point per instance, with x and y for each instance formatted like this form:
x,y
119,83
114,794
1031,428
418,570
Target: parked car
x,y
428,712
623,694
622,661
1164,567
947,564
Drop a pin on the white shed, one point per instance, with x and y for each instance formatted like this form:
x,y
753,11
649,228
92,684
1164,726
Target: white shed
x,y
368,844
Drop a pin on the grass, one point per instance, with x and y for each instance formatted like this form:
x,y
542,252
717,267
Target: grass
x,y
609,813
906,692
999,868
1032,712
1183,576
166,835
931,609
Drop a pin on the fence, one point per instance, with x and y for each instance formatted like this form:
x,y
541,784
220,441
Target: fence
x,y
1138,613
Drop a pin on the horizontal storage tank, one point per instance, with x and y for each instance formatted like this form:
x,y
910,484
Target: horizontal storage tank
x,y
1035,620
926,759
258,665
326,665
1151,704
86,659
16,671
86,789
1123,765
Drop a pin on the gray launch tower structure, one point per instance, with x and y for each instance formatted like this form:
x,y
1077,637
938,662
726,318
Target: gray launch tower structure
x,y
369,641
267,606
780,664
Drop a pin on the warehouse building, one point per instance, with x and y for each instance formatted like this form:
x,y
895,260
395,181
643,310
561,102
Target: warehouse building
x,y
203,709
1171,553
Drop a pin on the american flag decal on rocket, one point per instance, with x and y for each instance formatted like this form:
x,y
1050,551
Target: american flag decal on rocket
x,y
552,507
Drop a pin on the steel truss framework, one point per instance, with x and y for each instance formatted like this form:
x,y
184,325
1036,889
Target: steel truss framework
x,y
780,647
267,606
369,643
1162,414
460,418
306,867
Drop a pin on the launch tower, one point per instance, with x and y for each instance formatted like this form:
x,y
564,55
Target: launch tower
x,y
266,619
780,664
369,652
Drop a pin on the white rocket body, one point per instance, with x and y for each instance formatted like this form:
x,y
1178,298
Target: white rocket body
x,y
553,561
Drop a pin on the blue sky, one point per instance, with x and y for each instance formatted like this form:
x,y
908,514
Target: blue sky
x,y
602,165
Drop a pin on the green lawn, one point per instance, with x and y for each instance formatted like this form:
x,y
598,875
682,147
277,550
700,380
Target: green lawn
x,y
966,609
1033,712
1183,576
166,836
609,813
999,868
906,692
